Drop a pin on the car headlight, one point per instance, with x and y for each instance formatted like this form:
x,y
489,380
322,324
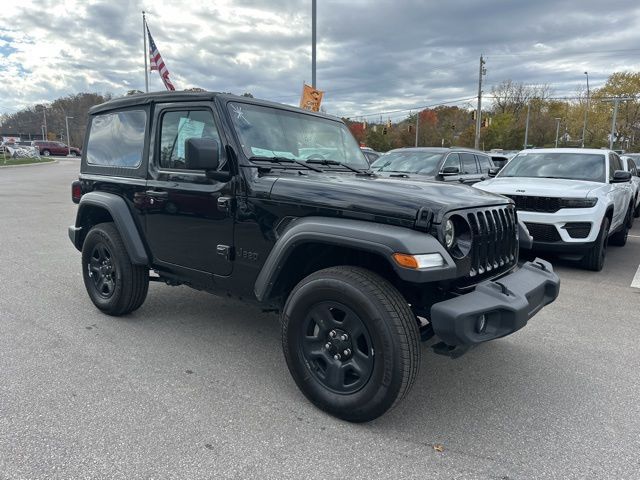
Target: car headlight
x,y
578,202
449,233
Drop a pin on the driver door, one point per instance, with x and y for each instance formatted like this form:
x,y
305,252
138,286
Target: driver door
x,y
188,216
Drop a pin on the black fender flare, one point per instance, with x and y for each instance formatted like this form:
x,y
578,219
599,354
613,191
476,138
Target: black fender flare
x,y
382,239
122,218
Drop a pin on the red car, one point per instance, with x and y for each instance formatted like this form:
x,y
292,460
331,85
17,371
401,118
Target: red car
x,y
55,148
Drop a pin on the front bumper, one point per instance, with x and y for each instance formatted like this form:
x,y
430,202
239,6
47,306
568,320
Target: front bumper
x,y
503,306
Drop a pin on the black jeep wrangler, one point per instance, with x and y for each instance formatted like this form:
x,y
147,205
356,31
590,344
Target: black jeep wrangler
x,y
275,205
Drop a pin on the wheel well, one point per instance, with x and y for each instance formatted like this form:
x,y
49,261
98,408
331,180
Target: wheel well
x,y
89,216
609,214
311,257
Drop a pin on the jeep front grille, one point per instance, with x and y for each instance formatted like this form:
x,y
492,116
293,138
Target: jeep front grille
x,y
526,203
494,246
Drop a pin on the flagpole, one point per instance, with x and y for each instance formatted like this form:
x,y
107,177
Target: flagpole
x,y
146,52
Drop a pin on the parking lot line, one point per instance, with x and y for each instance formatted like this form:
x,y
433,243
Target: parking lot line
x,y
635,283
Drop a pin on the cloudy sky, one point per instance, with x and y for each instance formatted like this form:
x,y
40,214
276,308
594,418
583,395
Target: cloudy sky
x,y
374,56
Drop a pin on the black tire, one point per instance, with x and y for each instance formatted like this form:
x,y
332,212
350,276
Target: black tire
x,y
594,259
114,284
73,154
636,212
370,312
46,153
619,239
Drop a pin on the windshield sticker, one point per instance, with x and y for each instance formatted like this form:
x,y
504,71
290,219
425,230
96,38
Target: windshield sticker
x,y
239,114
187,128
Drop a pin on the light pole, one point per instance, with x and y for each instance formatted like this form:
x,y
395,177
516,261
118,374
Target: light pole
x,y
44,114
526,127
586,111
66,121
313,43
42,130
557,130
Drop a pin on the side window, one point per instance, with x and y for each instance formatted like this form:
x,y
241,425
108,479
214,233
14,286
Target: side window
x,y
453,160
117,139
484,163
468,163
614,164
179,126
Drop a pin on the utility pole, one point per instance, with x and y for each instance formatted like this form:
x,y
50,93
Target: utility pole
x,y
557,129
482,71
526,127
66,121
586,111
146,52
417,125
616,101
313,43
42,130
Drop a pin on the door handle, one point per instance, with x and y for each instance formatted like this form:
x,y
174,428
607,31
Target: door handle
x,y
157,194
461,180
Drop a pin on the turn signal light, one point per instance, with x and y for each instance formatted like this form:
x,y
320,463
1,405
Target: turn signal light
x,y
417,262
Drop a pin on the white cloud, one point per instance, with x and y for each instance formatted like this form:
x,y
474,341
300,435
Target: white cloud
x,y
372,56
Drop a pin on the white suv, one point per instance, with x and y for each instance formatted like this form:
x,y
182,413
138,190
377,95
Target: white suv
x,y
571,200
630,165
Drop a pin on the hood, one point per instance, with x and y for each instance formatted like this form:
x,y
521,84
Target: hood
x,y
379,196
538,187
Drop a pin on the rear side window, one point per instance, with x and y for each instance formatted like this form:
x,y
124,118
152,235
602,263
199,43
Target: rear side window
x,y
484,162
117,139
468,163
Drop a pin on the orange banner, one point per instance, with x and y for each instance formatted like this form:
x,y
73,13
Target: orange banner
x,y
311,98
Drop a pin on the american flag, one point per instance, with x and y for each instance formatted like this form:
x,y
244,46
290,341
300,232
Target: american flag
x,y
158,64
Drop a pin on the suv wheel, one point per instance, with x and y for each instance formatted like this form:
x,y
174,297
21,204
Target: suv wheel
x,y
46,153
114,284
594,259
636,212
619,239
73,154
351,342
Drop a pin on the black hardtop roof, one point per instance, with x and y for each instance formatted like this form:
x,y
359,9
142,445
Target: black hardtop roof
x,y
167,97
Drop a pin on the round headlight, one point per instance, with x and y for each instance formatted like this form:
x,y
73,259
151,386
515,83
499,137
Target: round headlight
x,y
449,233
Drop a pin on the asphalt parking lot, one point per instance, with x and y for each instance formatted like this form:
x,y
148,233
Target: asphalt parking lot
x,y
195,386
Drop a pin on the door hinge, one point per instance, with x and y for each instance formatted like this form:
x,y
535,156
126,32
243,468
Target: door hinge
x,y
225,251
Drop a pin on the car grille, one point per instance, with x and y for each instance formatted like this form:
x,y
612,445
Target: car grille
x,y
494,246
526,203
543,233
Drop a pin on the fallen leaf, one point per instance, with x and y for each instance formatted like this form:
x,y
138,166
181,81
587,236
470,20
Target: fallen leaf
x,y
438,447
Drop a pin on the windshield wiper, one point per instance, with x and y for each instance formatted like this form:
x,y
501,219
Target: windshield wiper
x,y
339,164
280,160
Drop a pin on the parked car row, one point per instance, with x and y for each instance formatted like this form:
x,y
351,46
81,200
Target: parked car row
x,y
574,202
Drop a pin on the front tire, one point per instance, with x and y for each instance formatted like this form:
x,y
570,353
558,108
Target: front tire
x,y
351,342
114,284
594,259
619,239
46,153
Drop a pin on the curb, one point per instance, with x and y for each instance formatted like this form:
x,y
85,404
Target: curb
x,y
29,164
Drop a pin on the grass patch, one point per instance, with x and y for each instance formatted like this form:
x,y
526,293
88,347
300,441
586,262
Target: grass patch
x,y
23,161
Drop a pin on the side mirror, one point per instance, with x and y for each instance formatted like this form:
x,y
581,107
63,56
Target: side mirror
x,y
450,171
494,171
201,154
620,176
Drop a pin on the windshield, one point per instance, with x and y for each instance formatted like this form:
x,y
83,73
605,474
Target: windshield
x,y
272,132
572,166
422,162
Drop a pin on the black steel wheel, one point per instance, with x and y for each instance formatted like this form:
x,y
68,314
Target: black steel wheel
x,y
351,342
102,270
337,347
113,283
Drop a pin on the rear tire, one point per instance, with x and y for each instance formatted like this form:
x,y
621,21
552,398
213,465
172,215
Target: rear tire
x,y
619,239
636,212
360,316
594,259
46,153
114,284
